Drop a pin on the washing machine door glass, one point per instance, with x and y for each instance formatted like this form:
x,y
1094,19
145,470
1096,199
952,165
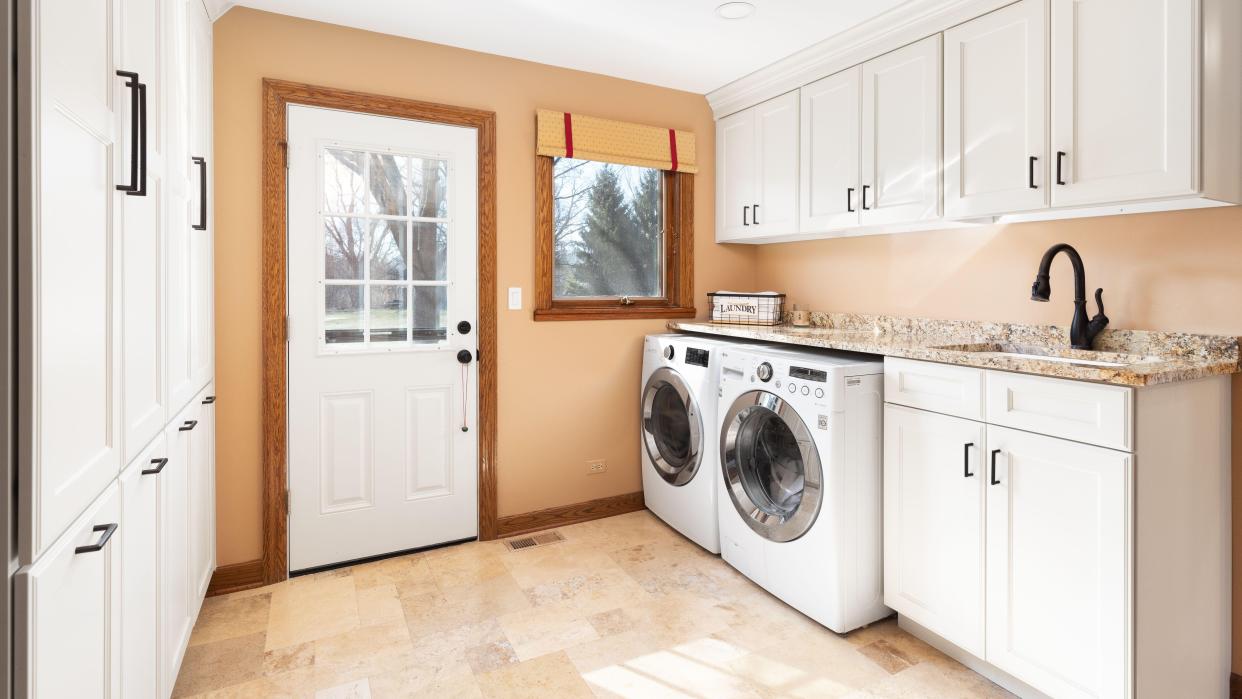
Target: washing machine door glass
x,y
771,466
672,428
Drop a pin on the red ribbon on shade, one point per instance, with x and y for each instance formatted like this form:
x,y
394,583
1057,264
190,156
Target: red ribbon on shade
x,y
569,136
672,147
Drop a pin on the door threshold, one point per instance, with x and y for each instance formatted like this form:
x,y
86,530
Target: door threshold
x,y
377,557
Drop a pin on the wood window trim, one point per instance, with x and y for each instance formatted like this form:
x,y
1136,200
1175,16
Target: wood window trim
x,y
277,96
678,254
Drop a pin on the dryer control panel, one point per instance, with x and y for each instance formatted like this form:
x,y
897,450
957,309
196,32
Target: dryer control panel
x,y
696,356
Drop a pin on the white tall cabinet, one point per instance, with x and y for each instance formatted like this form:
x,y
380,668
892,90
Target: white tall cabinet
x,y
115,501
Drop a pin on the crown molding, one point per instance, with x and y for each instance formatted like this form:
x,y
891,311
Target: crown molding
x,y
217,8
902,25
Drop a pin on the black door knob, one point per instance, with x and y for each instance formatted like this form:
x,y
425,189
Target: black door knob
x,y
464,356
463,327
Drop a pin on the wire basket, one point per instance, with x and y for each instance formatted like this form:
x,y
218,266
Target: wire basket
x,y
767,308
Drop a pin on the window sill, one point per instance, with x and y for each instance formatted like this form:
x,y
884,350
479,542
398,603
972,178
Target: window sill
x,y
614,312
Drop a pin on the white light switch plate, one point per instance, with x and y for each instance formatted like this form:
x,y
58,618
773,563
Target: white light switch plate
x,y
515,298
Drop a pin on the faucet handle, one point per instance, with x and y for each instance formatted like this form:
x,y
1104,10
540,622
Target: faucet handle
x,y
1098,323
1099,304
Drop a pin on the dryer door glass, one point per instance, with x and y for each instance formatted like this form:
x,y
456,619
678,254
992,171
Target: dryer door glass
x,y
672,434
771,466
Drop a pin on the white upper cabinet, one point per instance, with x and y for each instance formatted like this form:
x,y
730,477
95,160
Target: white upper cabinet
x,y
71,340
901,135
202,162
776,131
830,146
735,175
757,172
995,113
1123,100
183,193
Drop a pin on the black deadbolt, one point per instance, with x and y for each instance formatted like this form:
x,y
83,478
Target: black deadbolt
x,y
463,327
464,356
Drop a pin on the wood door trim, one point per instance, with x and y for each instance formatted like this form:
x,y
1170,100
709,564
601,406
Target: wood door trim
x,y
277,96
236,577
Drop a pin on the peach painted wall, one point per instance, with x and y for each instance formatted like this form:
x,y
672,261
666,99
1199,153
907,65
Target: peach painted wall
x,y
1169,271
568,390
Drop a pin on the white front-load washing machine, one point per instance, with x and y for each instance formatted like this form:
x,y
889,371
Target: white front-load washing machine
x,y
677,416
800,487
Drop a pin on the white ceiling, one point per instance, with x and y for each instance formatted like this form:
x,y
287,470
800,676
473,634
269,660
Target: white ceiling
x,y
675,43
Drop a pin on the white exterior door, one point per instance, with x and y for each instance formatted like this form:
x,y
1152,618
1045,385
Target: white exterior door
x,y
1057,560
776,131
1124,84
901,135
735,175
995,113
382,272
75,331
830,133
934,477
140,588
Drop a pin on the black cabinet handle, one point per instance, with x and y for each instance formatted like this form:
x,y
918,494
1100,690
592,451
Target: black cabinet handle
x,y
187,425
159,466
994,454
1060,158
209,400
1030,173
745,211
966,459
137,186
202,193
107,529
864,197
754,215
849,199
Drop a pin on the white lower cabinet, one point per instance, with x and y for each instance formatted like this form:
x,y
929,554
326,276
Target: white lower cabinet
x,y
1051,565
1057,559
140,518
69,608
202,494
177,608
933,522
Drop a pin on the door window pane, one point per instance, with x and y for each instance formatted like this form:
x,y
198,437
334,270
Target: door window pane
x,y
430,313
430,257
388,258
607,230
342,311
388,182
389,320
343,243
344,181
429,178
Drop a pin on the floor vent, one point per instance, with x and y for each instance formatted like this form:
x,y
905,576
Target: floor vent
x,y
540,539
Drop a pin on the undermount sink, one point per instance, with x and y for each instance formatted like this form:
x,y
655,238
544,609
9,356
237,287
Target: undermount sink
x,y
1063,356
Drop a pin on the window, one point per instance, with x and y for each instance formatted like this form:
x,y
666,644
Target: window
x,y
385,223
614,241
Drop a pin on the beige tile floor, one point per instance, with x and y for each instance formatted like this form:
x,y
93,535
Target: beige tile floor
x,y
624,607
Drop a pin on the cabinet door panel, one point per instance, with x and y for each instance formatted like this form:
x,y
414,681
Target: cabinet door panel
x,y
70,602
1057,561
142,262
933,522
995,72
735,175
202,497
1123,99
73,357
180,175
140,516
901,135
201,306
776,129
829,163
176,586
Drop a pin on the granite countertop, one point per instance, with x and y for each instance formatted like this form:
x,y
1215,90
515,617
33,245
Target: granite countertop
x,y
1122,357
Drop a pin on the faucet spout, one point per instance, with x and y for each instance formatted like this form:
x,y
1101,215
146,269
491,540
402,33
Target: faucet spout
x,y
1082,331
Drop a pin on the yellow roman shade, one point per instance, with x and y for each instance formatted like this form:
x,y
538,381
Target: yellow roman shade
x,y
562,134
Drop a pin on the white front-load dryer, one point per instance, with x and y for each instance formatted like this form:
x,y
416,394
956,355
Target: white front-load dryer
x,y
800,490
677,425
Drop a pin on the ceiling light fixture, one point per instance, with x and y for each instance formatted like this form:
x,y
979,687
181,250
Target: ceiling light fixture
x,y
735,10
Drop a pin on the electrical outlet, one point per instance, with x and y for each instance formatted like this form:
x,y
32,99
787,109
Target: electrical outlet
x,y
596,467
